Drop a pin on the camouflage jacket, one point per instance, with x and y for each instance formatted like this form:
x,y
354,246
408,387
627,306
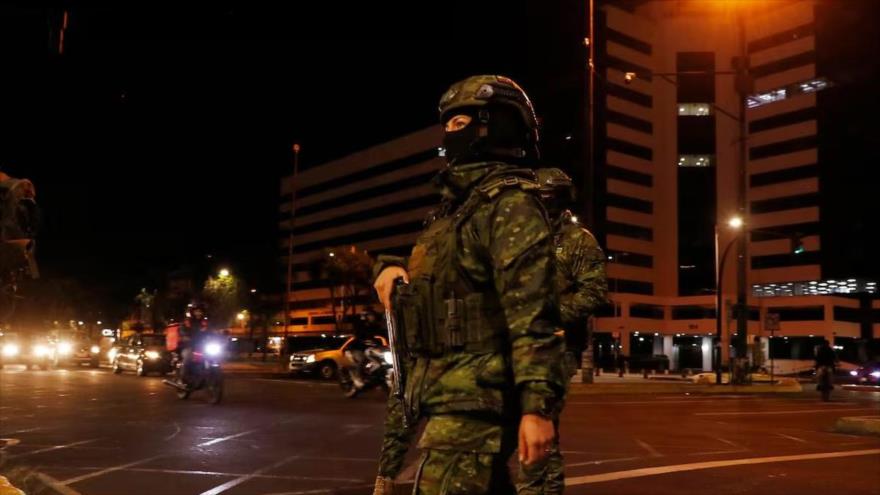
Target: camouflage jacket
x,y
580,271
506,244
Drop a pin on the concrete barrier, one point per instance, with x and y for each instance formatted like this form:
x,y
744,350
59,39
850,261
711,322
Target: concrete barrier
x,y
859,425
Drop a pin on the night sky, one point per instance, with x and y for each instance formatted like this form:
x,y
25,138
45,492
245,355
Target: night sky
x,y
160,134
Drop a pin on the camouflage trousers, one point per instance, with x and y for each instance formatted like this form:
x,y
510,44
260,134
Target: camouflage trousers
x,y
545,478
465,456
548,477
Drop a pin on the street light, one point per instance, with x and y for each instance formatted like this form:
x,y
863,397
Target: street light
x,y
735,223
240,316
224,273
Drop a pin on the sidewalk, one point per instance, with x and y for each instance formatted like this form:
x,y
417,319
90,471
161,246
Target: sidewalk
x,y
632,383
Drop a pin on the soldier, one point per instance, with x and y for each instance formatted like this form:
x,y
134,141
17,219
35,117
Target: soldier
x,y
582,288
479,311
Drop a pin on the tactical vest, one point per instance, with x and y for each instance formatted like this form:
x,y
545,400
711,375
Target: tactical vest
x,y
441,308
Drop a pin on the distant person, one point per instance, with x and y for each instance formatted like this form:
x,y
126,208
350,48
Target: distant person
x,y
826,361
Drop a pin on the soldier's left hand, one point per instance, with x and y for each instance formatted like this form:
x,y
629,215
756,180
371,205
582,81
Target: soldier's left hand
x,y
536,436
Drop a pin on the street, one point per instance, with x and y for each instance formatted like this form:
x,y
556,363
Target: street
x,y
94,433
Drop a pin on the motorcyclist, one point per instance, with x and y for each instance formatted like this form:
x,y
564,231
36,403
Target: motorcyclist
x,y
193,330
365,330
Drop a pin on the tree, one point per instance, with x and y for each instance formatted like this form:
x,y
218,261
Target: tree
x,y
348,273
224,296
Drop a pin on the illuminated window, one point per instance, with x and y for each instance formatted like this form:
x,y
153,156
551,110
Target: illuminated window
x,y
695,109
803,87
765,98
694,160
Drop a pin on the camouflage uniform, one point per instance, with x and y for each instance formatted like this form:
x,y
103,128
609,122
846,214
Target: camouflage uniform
x,y
581,285
479,316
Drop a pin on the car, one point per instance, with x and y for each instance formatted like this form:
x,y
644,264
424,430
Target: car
x,y
321,355
868,374
142,353
318,354
33,352
76,350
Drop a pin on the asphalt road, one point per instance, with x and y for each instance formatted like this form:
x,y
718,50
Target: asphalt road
x,y
93,433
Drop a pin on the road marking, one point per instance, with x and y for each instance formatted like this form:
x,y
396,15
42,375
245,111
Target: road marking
x,y
654,471
241,479
176,431
26,430
112,469
54,447
602,461
56,485
223,439
316,492
718,452
796,411
121,467
731,444
651,450
796,439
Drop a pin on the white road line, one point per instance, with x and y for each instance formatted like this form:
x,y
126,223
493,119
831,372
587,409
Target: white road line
x,y
112,469
796,439
176,431
140,462
56,485
223,439
602,461
654,471
52,448
796,411
731,444
315,492
241,479
651,450
718,452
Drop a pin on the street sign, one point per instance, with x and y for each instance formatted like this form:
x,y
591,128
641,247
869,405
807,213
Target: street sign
x,y
771,322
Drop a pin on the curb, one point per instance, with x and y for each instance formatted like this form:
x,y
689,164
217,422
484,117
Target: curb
x,y
667,388
859,425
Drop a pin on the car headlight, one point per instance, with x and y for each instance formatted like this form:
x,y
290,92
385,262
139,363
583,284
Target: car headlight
x,y
10,350
853,373
41,351
111,354
65,348
213,349
388,357
875,374
152,355
311,358
95,349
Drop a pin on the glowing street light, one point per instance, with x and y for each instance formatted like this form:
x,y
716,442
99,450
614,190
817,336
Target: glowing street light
x,y
735,223
224,273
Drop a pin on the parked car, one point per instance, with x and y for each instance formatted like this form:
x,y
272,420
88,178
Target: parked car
x,y
141,353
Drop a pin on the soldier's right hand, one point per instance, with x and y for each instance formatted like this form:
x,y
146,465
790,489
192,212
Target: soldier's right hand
x,y
384,284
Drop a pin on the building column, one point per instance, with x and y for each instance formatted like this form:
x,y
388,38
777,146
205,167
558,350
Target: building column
x,y
658,344
706,348
670,352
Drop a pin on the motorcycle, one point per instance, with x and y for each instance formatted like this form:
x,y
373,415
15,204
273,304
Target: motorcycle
x,y
205,372
375,371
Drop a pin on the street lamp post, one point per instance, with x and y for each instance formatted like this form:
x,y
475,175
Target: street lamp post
x,y
735,223
289,288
